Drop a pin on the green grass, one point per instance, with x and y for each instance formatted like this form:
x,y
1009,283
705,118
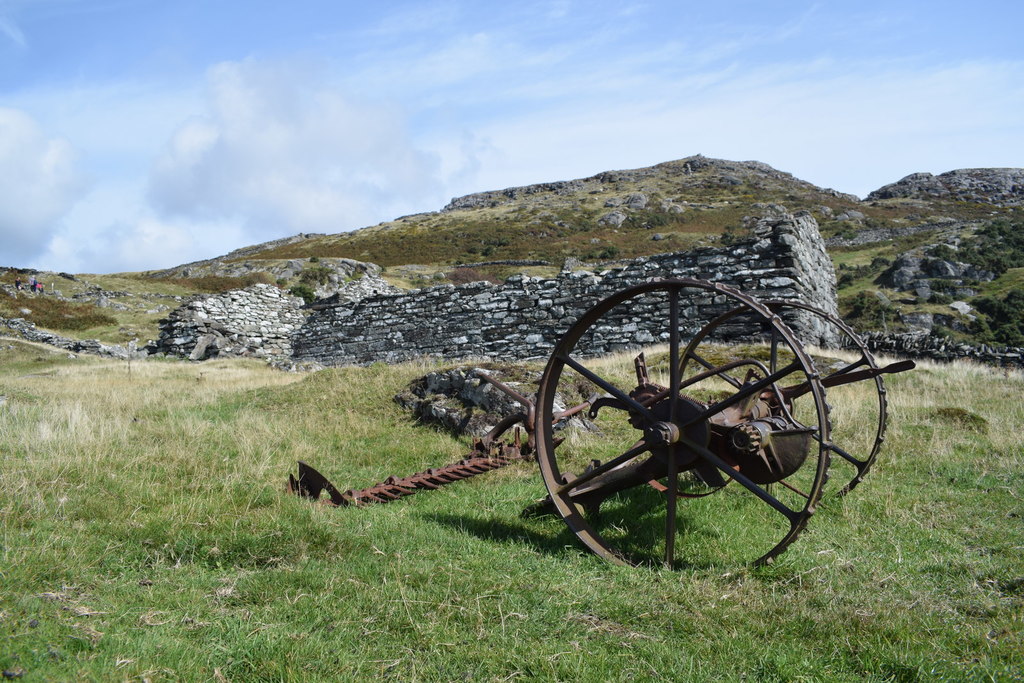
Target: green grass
x,y
1011,279
54,314
144,534
504,235
215,284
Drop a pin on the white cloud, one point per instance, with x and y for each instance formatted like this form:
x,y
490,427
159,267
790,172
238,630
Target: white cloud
x,y
41,182
142,242
280,152
853,129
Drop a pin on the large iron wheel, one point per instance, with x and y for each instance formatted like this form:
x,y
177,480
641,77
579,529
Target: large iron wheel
x,y
672,433
856,446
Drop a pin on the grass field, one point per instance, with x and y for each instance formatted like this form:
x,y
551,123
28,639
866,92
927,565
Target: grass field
x,y
145,535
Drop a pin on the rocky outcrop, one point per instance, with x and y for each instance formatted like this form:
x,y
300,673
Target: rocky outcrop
x,y
209,266
998,186
357,289
460,401
911,271
871,235
496,197
329,275
525,316
257,321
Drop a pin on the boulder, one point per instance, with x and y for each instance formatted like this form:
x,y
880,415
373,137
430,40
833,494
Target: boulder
x,y
636,200
903,273
918,321
961,307
613,219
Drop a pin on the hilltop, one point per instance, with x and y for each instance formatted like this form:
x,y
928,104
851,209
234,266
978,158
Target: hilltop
x,y
904,255
614,214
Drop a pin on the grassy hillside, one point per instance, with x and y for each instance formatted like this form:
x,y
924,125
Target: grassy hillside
x,y
144,534
993,243
674,206
686,202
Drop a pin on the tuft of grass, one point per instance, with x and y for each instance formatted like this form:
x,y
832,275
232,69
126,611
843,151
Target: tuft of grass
x,y
962,419
215,284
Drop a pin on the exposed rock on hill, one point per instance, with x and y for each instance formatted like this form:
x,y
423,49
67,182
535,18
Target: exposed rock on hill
x,y
998,186
697,172
341,269
326,276
911,271
360,288
217,266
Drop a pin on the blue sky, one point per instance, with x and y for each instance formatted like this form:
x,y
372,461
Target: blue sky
x,y
138,134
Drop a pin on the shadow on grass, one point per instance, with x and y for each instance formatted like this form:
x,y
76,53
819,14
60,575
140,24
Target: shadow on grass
x,y
632,523
505,531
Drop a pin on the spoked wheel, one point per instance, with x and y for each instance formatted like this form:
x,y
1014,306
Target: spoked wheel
x,y
692,419
858,419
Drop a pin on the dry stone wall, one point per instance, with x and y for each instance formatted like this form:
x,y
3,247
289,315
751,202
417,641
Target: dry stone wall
x,y
525,316
938,348
27,330
257,321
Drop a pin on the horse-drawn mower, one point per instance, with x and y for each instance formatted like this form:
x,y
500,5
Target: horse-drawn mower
x,y
740,436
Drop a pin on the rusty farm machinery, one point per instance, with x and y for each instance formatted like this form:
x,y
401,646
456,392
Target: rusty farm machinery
x,y
743,439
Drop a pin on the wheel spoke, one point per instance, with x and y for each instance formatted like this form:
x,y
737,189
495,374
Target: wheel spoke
x,y
794,489
673,354
773,363
639,448
607,386
847,368
670,507
745,392
675,377
854,460
792,515
711,366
